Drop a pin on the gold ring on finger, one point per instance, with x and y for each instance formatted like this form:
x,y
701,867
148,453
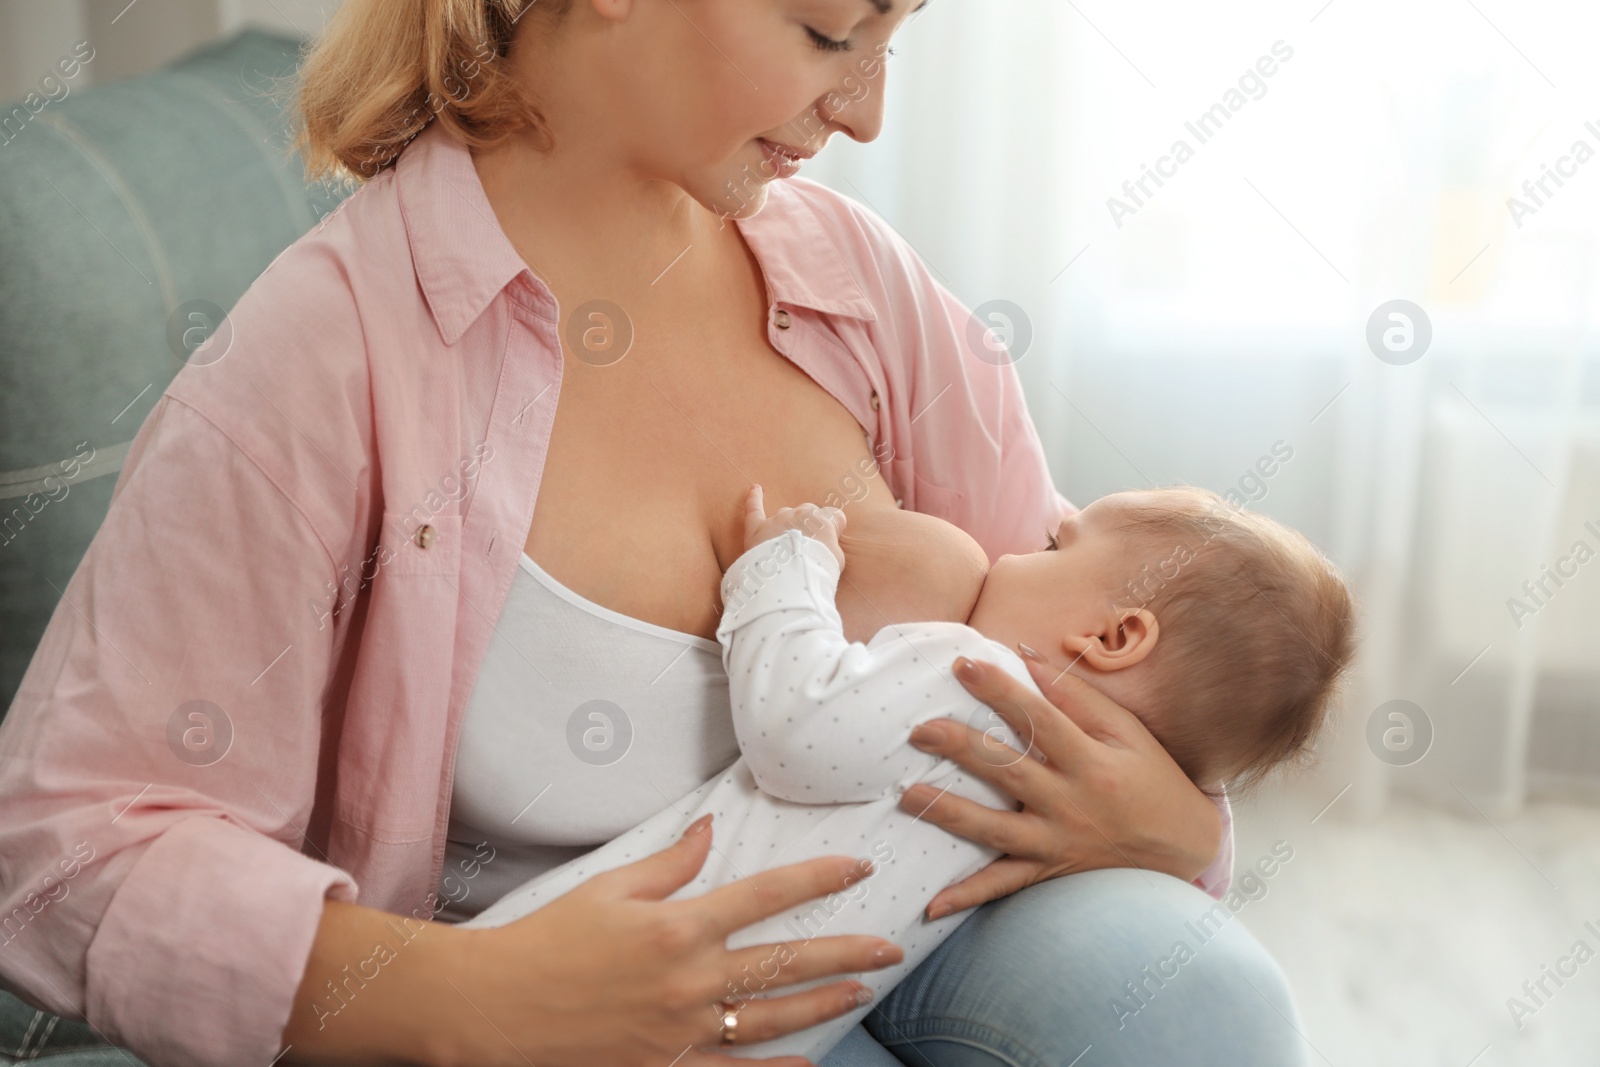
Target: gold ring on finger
x,y
730,1022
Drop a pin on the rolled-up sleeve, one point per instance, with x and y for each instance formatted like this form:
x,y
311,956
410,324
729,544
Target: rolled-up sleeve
x,y
159,764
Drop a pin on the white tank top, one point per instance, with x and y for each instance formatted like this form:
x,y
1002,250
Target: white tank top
x,y
582,723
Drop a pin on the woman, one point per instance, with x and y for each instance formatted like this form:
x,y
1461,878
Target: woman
x,y
246,707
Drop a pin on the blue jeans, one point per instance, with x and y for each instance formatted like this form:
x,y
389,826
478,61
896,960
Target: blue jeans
x,y
1086,970
1038,979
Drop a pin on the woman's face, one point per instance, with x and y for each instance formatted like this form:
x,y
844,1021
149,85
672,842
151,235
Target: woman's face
x,y
721,97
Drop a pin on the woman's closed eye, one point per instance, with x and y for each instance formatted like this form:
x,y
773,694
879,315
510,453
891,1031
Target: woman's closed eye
x,y
826,43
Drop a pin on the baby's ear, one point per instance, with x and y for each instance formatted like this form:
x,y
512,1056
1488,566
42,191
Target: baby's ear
x,y
1121,643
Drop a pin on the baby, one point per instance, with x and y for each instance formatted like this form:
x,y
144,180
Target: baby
x,y
1223,631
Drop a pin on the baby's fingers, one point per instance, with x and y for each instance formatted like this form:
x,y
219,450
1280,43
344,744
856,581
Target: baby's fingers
x,y
755,513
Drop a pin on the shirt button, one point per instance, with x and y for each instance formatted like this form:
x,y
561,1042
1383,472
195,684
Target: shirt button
x,y
424,536
780,319
875,400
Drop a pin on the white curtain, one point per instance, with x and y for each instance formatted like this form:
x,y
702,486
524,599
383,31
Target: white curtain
x,y
1339,156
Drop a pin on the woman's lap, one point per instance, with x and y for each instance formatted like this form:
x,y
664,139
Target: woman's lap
x,y
860,1049
1033,980
1041,977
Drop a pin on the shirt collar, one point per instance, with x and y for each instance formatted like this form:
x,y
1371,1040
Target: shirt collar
x,y
462,256
464,259
802,264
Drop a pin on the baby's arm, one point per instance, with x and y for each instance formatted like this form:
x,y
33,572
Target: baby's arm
x,y
821,720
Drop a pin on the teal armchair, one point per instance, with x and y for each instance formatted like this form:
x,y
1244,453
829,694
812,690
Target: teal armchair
x,y
132,215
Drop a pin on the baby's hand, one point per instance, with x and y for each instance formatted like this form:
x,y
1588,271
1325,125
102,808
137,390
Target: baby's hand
x,y
824,524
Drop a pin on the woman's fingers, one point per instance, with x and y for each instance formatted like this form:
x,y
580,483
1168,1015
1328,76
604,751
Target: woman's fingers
x,y
749,900
1001,878
663,873
1094,713
1019,833
985,754
765,1018
782,963
1057,735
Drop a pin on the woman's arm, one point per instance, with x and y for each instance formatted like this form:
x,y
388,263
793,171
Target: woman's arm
x,y
609,973
165,736
154,881
404,1021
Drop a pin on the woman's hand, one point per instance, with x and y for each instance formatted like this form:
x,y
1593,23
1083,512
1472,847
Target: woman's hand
x,y
1105,794
612,973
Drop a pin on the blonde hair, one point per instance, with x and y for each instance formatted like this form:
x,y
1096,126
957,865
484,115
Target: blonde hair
x,y
384,69
1257,628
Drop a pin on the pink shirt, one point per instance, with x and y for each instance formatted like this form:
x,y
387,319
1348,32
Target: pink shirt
x,y
314,535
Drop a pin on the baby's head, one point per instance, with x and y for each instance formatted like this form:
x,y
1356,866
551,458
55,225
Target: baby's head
x,y
1224,631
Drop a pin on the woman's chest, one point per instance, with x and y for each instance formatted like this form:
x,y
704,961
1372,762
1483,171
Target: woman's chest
x,y
640,501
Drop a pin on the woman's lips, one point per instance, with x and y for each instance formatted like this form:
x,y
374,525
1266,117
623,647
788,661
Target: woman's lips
x,y
782,161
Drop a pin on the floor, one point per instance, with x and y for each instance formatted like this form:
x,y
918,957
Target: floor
x,y
1405,936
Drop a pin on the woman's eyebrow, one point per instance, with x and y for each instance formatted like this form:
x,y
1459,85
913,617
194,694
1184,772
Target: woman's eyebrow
x,y
883,7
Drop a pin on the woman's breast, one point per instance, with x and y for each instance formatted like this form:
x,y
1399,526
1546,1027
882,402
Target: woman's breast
x,y
904,566
583,722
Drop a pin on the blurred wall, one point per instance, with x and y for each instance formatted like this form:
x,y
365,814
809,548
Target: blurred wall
x,y
130,39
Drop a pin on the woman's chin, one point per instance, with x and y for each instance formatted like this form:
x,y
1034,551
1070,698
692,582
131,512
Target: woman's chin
x,y
741,208
734,198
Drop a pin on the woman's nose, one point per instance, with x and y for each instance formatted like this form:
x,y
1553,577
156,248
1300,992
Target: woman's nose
x,y
863,119
856,107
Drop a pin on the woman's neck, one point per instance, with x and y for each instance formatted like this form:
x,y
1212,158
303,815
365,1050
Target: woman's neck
x,y
581,216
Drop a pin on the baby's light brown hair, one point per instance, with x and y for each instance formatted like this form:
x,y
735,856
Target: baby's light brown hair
x,y
1256,629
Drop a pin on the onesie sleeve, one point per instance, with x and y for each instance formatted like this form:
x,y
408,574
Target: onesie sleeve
x,y
822,720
